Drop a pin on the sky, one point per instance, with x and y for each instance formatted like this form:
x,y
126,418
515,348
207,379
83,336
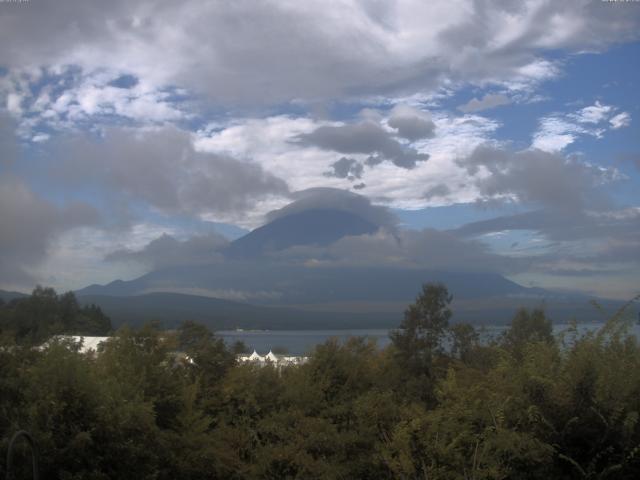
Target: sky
x,y
508,129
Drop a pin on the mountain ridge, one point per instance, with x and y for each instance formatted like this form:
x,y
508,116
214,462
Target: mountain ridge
x,y
319,226
249,288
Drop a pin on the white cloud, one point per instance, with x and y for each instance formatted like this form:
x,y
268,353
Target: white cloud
x,y
13,103
594,114
272,52
554,134
75,258
269,142
40,137
621,120
486,102
557,131
70,99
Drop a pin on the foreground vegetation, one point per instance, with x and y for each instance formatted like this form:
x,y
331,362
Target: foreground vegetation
x,y
526,405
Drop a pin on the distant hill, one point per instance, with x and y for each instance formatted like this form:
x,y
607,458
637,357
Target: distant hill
x,y
7,296
312,227
172,308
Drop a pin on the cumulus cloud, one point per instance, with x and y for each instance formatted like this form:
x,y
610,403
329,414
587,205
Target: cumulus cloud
x,y
411,123
30,223
488,101
267,142
167,251
536,177
160,167
593,251
278,48
73,67
577,226
365,137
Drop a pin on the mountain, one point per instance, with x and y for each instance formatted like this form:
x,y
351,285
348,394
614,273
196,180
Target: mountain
x,y
7,296
249,289
297,297
311,227
277,284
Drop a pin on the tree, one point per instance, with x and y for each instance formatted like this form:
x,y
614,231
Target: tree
x,y
421,332
35,319
209,353
527,327
464,339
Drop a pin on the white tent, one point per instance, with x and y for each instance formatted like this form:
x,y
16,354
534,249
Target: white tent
x,y
271,357
254,357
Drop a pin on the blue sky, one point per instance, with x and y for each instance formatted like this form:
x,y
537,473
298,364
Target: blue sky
x,y
513,128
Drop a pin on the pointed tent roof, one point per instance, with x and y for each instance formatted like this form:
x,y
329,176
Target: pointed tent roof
x,y
271,357
254,356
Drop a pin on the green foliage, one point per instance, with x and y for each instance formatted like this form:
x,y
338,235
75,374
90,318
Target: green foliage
x,y
36,318
464,341
162,405
527,327
423,328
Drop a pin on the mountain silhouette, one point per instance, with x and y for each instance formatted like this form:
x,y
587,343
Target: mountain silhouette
x,y
271,287
320,227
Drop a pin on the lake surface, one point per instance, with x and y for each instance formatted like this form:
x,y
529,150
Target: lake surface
x,y
299,342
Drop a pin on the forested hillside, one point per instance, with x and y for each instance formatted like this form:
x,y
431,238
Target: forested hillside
x,y
526,405
35,318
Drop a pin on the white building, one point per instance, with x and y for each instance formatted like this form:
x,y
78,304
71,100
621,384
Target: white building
x,y
271,358
88,344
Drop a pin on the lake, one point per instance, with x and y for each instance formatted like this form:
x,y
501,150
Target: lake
x,y
299,342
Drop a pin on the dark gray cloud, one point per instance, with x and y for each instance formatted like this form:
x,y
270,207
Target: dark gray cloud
x,y
411,123
160,167
564,225
346,168
167,251
373,160
572,212
429,248
29,224
488,101
474,38
8,142
365,137
538,178
440,190
333,198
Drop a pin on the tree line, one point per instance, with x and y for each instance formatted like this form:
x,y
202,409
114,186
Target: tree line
x,y
436,403
34,319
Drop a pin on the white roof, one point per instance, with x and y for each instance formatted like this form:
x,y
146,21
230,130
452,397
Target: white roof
x,y
88,343
255,356
271,357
